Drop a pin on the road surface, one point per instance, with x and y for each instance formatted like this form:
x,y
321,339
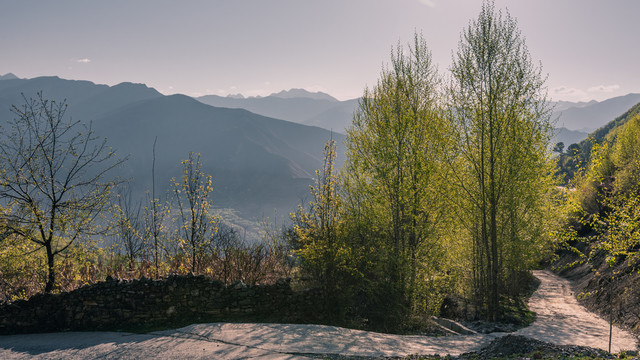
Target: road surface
x,y
560,320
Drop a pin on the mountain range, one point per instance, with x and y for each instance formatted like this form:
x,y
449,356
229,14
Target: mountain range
x,y
296,105
587,117
573,120
261,151
258,163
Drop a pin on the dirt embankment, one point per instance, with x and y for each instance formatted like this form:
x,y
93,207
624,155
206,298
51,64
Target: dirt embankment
x,y
612,290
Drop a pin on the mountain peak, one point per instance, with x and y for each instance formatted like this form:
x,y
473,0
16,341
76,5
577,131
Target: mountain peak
x,y
302,93
8,76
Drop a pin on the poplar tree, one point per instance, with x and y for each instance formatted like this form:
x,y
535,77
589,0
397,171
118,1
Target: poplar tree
x,y
393,149
501,131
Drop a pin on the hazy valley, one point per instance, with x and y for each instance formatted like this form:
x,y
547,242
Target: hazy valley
x,y
261,151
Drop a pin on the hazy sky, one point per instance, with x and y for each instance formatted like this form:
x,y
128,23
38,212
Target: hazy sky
x,y
590,49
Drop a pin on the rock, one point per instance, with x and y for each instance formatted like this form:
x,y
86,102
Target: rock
x,y
238,285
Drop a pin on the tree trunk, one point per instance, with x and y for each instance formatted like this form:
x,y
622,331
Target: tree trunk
x,y
495,271
51,279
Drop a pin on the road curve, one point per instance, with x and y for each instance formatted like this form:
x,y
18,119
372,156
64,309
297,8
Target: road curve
x,y
560,320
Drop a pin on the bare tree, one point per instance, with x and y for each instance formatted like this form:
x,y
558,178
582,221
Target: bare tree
x,y
53,178
129,226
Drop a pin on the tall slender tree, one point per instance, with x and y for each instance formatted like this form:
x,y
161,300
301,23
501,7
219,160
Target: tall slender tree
x,y
393,148
498,108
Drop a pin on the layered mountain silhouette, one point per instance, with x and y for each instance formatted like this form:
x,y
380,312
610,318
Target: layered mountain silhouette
x,y
261,151
258,163
302,93
8,76
587,117
573,120
295,105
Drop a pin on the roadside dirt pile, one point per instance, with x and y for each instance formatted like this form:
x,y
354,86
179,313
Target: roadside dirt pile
x,y
510,345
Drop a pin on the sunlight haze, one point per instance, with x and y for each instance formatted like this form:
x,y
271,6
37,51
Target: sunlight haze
x,y
256,48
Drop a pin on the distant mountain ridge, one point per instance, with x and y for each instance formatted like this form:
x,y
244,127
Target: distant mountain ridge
x,y
574,120
295,105
8,76
588,117
258,163
302,93
565,105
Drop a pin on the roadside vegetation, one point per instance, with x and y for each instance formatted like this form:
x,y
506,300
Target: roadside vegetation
x,y
447,190
601,237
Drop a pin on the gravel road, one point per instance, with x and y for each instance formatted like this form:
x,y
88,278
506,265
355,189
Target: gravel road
x,y
560,320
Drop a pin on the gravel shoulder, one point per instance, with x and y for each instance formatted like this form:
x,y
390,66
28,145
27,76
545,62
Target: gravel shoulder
x,y
560,320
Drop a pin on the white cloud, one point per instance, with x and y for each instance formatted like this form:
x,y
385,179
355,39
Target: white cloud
x,y
429,3
598,92
83,61
569,94
604,88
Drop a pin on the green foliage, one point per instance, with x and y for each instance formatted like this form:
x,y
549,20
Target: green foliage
x,y
568,163
22,268
196,226
499,155
394,157
625,157
613,207
326,256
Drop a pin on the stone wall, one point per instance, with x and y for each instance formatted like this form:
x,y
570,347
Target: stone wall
x,y
145,304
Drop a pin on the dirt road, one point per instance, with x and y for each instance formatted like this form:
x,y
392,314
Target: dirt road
x,y
560,320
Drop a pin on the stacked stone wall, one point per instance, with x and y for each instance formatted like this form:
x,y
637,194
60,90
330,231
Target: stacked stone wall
x,y
144,304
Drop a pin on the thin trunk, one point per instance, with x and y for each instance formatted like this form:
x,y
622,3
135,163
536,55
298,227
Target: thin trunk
x,y
51,269
153,199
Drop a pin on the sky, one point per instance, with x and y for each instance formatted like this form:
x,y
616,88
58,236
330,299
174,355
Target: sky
x,y
589,49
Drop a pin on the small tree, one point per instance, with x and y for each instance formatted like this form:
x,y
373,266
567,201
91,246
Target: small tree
x,y
129,227
53,178
325,255
192,199
155,215
559,147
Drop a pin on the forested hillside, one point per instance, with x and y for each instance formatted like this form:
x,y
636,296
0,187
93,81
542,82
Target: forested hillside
x,y
578,155
601,235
